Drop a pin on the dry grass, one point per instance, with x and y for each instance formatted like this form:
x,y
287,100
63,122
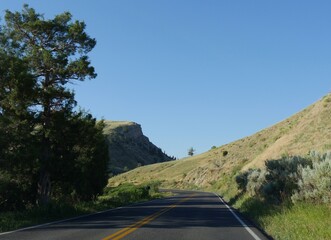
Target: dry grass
x,y
307,130
112,125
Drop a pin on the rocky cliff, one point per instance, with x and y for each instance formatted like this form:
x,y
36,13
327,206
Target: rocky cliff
x,y
129,147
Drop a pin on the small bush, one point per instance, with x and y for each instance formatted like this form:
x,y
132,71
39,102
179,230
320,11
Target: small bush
x,y
242,180
14,195
277,182
9,198
128,193
153,189
282,177
251,181
315,182
255,181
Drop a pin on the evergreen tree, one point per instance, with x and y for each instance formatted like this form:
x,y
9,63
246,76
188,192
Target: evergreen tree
x,y
43,141
191,151
18,145
56,54
82,157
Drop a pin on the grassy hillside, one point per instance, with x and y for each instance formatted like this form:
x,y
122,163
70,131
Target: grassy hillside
x,y
217,169
129,148
307,130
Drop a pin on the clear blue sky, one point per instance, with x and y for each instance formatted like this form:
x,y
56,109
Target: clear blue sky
x,y
201,73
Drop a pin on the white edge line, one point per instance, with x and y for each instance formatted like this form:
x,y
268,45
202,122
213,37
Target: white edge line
x,y
70,219
241,221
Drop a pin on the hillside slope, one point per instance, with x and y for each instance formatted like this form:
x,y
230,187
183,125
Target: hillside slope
x,y
129,147
307,130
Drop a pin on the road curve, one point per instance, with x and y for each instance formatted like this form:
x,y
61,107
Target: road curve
x,y
188,215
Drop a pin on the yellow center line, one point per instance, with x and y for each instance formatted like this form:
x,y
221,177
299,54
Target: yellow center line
x,y
126,231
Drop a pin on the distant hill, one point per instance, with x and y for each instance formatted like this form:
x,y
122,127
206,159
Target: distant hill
x,y
129,148
307,130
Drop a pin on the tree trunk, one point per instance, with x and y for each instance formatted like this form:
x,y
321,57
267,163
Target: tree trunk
x,y
44,188
44,184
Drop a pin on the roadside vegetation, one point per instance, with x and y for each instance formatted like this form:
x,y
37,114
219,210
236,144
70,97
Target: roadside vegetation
x,y
287,196
49,149
112,197
289,221
53,156
290,198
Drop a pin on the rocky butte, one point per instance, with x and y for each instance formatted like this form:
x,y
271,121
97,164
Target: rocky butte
x,y
129,147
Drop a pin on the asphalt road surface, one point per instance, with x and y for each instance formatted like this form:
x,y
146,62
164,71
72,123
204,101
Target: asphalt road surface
x,y
187,215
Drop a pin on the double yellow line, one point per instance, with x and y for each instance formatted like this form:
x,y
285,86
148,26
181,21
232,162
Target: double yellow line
x,y
126,231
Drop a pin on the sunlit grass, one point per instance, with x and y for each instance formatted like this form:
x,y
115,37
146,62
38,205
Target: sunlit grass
x,y
287,221
302,221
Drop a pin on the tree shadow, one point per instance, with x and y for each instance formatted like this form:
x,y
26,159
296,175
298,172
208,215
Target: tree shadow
x,y
181,213
234,199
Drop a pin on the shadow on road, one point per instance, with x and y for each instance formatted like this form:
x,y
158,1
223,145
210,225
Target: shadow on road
x,y
197,211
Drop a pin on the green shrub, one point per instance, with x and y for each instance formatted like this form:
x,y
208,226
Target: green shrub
x,y
251,181
282,177
315,182
255,182
242,180
14,194
153,188
128,193
277,182
9,197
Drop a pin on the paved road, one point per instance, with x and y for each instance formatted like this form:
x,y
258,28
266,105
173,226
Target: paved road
x,y
188,215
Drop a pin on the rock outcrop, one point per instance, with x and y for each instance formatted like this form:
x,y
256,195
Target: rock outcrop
x,y
129,147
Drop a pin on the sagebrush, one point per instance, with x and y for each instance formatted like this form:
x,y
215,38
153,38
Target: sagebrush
x,y
290,178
